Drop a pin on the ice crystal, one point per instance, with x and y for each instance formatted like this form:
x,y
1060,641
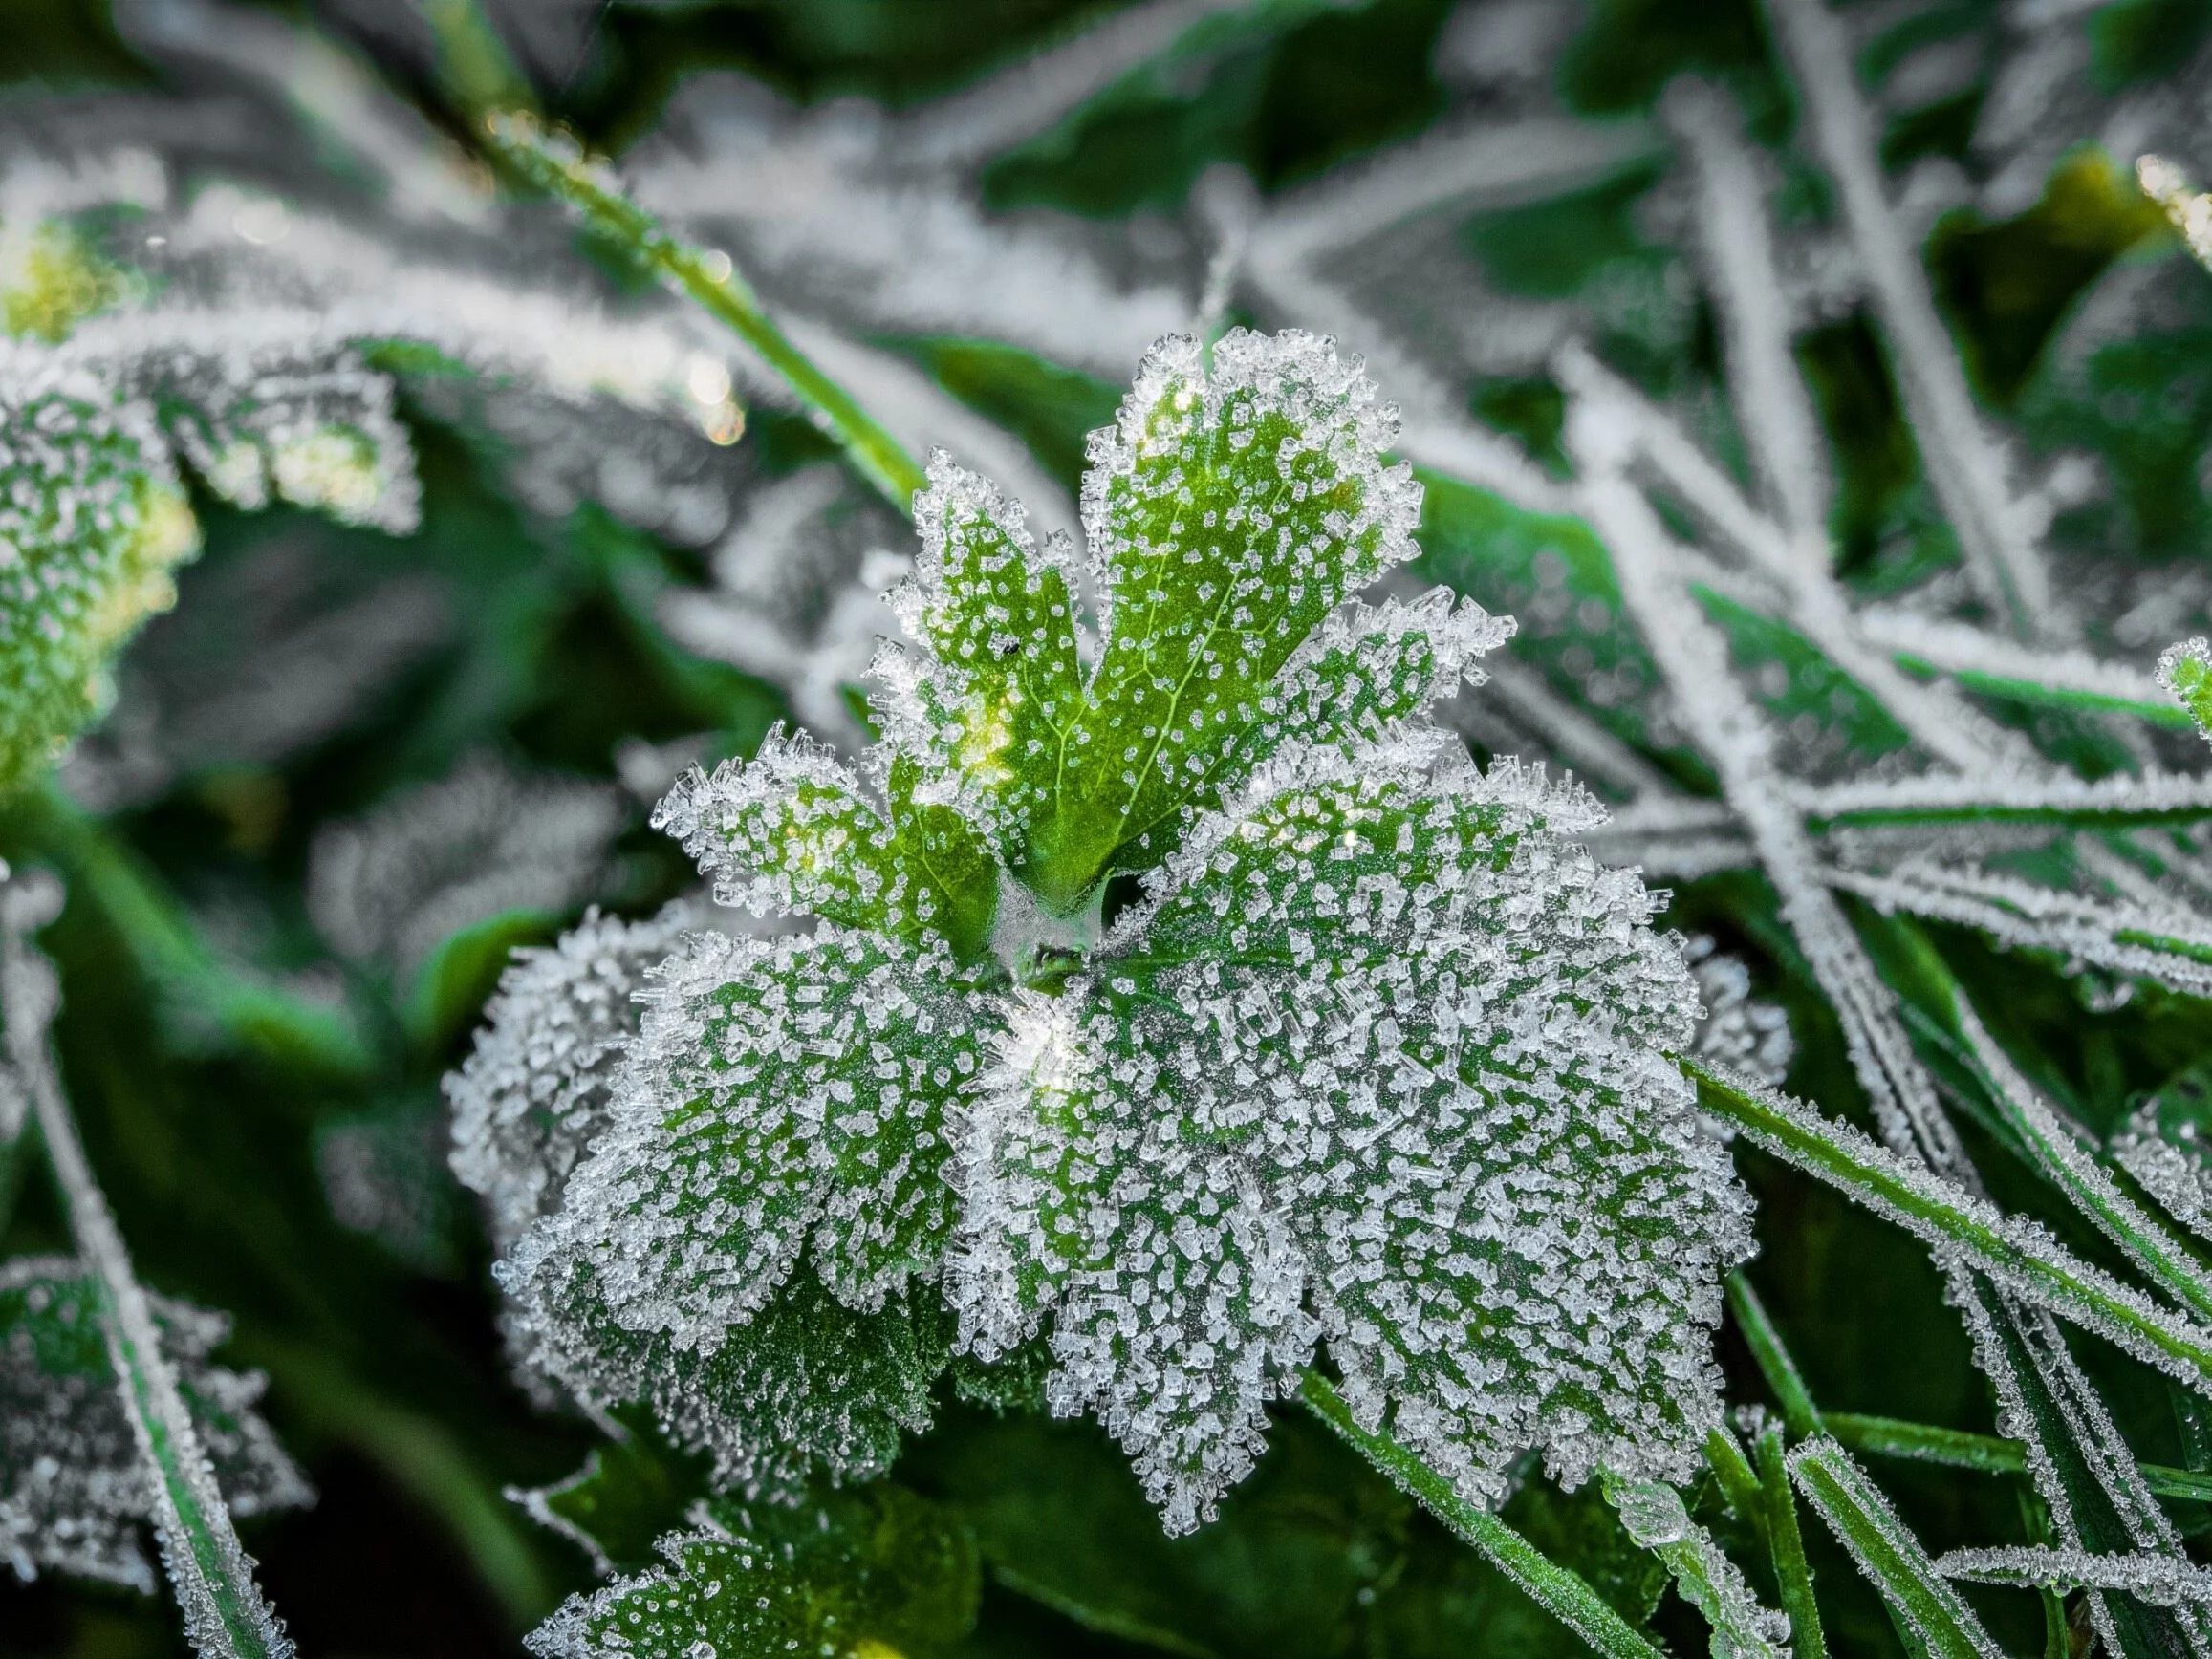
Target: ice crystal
x,y
1653,1514
73,1485
2163,1581
2166,1153
538,1087
1369,1053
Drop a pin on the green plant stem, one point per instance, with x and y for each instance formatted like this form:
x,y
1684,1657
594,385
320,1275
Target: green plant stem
x,y
1738,1480
1785,1548
224,1612
1564,1594
1776,1365
1958,1449
1930,1614
2024,1261
557,167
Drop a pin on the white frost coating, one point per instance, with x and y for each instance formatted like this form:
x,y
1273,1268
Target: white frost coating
x,y
2126,937
2160,1580
1780,430
1693,657
2061,1146
1863,1521
1811,598
1293,376
2121,794
1959,648
779,1092
1965,464
2184,671
797,595
1654,1517
74,1494
2016,1253
1418,1088
537,1088
2173,1168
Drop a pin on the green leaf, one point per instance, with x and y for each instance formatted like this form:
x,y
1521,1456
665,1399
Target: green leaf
x,y
1932,1615
1229,513
1309,1012
851,1575
789,830
94,525
805,1387
73,1487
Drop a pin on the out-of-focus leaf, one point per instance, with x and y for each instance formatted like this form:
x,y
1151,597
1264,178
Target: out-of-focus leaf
x,y
852,1575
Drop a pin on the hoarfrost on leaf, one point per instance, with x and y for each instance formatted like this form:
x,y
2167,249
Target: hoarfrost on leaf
x,y
848,1575
74,1497
1369,1052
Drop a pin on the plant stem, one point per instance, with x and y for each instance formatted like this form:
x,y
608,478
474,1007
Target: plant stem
x,y
1776,1365
1561,1592
224,1612
1785,1547
1958,1449
555,165
2021,1258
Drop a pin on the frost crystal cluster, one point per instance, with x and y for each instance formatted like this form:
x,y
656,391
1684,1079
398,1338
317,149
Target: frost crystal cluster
x,y
1173,1003
74,1494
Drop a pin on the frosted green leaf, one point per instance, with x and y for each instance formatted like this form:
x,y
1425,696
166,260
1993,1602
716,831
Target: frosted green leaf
x,y
805,1386
1228,513
791,830
858,1575
73,1485
997,696
1376,1057
92,524
1380,1062
2185,670
780,1091
538,1087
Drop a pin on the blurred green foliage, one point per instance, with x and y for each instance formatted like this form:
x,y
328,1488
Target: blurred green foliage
x,y
211,1041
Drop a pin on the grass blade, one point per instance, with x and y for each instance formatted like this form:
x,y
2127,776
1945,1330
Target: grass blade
x,y
2019,1256
224,1612
557,166
1930,1611
1786,1545
2075,1171
1560,1592
1776,1365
